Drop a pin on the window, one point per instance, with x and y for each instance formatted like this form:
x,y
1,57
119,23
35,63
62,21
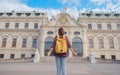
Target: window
x,y
12,55
102,56
7,26
89,26
76,33
4,42
116,15
118,26
9,14
24,42
99,27
1,55
98,15
32,55
27,14
109,26
42,13
113,57
1,14
101,44
14,42
107,15
34,44
91,45
36,26
37,14
26,26
111,43
50,32
65,32
22,55
18,14
16,25
88,14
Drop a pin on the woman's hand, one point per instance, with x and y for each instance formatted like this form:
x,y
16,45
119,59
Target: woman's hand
x,y
75,53
48,54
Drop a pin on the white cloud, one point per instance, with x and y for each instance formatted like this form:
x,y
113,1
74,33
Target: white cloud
x,y
99,2
73,12
110,6
52,12
71,2
17,5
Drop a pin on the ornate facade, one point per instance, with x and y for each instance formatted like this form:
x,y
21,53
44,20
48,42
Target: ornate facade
x,y
22,32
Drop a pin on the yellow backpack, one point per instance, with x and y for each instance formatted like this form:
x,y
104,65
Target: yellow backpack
x,y
61,46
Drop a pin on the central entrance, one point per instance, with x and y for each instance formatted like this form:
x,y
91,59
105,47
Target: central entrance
x,y
48,44
78,46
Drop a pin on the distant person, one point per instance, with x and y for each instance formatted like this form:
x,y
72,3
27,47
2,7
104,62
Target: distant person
x,y
60,48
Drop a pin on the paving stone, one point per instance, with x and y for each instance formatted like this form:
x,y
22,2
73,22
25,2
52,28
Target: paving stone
x,y
50,69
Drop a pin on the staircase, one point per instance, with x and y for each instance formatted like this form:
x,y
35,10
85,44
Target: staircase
x,y
78,60
99,60
47,59
69,59
17,60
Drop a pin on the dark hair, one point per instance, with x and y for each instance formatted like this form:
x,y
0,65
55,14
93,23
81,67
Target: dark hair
x,y
61,31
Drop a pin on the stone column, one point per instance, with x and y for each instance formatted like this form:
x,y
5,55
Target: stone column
x,y
29,41
95,42
1,39
106,43
8,46
85,50
19,41
41,41
70,39
116,43
9,42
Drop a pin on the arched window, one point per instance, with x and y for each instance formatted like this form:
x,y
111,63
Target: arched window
x,y
50,32
78,46
111,43
101,43
9,14
48,44
76,33
37,14
65,32
1,14
18,14
27,14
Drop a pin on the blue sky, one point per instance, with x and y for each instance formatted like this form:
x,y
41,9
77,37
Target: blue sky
x,y
79,4
53,7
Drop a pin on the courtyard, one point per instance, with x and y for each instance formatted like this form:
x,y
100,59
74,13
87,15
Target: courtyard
x,y
50,69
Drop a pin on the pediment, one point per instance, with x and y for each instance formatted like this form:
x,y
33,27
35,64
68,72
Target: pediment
x,y
62,19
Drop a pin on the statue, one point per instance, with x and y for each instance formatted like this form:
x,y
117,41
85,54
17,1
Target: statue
x,y
91,57
36,57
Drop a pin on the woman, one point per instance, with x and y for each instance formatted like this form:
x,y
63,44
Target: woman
x,y
61,58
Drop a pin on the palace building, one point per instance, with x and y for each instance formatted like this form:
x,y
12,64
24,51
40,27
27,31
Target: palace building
x,y
21,33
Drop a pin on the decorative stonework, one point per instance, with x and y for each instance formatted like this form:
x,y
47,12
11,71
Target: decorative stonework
x,y
61,20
